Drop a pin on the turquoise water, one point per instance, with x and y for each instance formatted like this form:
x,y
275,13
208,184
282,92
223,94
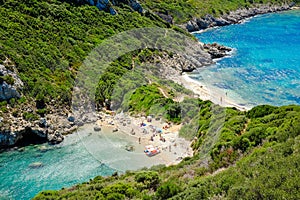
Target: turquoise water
x,y
263,69
265,64
80,157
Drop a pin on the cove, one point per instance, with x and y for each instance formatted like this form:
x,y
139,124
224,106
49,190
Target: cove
x,y
81,156
265,63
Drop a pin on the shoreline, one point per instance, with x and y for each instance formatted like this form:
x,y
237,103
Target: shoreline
x,y
205,93
234,17
56,132
172,149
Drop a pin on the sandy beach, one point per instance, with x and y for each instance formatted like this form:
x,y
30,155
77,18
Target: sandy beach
x,y
157,132
154,132
172,148
204,93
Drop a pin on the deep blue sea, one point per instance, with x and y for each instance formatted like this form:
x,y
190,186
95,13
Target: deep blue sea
x,y
264,67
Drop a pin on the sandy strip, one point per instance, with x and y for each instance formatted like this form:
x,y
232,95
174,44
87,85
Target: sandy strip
x,y
173,149
205,93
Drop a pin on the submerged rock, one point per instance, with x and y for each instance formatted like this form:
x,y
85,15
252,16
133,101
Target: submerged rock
x,y
216,50
36,165
115,130
129,148
97,128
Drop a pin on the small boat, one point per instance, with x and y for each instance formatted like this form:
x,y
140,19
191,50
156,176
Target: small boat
x,y
150,150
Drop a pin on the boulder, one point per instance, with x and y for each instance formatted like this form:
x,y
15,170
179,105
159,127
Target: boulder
x,y
71,118
107,5
43,123
97,128
115,130
8,92
36,165
55,138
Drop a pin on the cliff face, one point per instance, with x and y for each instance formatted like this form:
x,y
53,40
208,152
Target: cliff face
x,y
107,5
234,17
8,91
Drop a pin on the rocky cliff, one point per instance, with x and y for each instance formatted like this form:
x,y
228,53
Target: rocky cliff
x,y
10,83
232,17
107,5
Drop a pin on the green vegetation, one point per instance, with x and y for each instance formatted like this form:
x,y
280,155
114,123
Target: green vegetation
x,y
257,150
49,39
182,10
255,157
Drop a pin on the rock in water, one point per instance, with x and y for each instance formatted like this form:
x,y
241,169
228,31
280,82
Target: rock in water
x,y
97,128
129,148
36,165
115,130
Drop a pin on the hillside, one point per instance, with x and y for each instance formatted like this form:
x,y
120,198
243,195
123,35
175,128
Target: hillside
x,y
238,155
255,157
183,11
42,45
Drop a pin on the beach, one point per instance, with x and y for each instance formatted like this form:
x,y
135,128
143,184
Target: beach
x,y
146,132
205,93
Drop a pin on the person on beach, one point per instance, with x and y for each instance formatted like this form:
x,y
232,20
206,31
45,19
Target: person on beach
x,y
151,138
139,140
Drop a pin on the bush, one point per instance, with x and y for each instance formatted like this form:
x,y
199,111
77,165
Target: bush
x,y
30,116
167,190
149,178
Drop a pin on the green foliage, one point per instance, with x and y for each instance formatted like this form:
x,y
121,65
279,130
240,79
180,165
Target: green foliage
x,y
167,190
145,97
8,79
30,116
265,151
149,179
49,39
260,111
182,10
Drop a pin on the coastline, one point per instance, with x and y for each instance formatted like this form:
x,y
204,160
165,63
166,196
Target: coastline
x,y
233,17
172,149
55,132
205,93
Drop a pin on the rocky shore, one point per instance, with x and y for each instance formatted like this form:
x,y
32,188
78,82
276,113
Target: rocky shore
x,y
58,122
21,128
233,17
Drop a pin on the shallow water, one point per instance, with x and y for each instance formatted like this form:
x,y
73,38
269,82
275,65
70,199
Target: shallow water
x,y
264,67
82,156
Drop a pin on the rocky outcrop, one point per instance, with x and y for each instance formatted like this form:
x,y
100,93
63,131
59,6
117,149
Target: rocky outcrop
x,y
198,59
166,17
233,17
107,5
21,132
9,90
216,50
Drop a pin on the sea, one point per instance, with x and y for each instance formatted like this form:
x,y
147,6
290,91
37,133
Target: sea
x,y
263,68
83,155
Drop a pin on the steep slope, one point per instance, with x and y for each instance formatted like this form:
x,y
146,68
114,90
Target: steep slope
x,y
259,162
42,45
